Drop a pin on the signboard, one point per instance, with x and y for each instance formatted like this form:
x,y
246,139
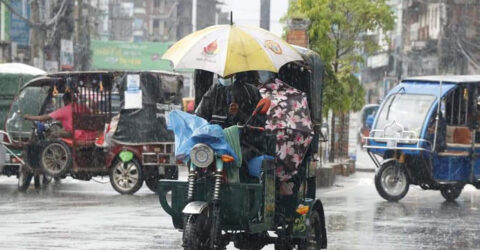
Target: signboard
x,y
19,29
133,95
66,54
51,66
115,55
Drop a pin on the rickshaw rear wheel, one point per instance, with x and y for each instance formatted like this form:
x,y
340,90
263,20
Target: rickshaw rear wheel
x,y
314,239
152,182
56,158
126,177
451,192
196,231
391,181
24,179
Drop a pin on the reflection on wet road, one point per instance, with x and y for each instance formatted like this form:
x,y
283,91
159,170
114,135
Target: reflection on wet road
x,y
357,218
89,215
82,215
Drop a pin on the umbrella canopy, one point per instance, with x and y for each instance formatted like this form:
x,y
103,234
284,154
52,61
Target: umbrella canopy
x,y
289,117
20,68
228,49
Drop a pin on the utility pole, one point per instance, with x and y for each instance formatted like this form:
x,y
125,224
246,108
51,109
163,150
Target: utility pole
x,y
265,14
37,35
194,15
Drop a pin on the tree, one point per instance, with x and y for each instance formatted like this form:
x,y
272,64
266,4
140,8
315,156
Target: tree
x,y
46,32
337,32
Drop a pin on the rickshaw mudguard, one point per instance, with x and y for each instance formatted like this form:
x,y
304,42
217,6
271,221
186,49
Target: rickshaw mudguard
x,y
195,207
303,212
239,204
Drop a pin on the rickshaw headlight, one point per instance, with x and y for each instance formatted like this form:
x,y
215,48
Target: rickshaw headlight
x,y
202,155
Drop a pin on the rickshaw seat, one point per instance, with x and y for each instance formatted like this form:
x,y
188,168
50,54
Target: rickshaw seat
x,y
79,143
92,122
453,153
459,135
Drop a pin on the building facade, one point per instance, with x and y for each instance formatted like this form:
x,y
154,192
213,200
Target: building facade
x,y
160,20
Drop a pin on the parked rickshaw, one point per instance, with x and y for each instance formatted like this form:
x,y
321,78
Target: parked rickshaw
x,y
212,211
426,132
129,145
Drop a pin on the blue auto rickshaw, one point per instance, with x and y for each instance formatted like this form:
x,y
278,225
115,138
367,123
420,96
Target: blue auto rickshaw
x,y
426,133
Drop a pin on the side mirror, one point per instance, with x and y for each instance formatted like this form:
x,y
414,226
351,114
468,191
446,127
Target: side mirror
x,y
262,106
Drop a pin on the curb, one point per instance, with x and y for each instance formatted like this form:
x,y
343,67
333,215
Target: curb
x,y
371,170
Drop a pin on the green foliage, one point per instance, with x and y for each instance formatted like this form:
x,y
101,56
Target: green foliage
x,y
336,31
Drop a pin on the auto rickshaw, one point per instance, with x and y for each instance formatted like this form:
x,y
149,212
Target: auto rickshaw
x,y
12,77
213,211
129,145
426,134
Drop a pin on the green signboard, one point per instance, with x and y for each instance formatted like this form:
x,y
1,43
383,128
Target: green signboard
x,y
115,55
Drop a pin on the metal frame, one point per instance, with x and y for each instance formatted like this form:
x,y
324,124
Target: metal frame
x,y
5,145
159,154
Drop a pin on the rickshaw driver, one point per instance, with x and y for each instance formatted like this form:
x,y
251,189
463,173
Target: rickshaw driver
x,y
65,116
229,101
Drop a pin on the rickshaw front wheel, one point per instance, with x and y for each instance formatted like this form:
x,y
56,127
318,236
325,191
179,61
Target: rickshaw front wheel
x,y
451,192
56,158
196,231
391,181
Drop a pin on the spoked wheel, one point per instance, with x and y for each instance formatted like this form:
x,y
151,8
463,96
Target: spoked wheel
x,y
56,158
126,177
391,182
451,192
196,231
24,179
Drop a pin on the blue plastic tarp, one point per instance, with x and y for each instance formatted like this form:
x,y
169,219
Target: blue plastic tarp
x,y
190,130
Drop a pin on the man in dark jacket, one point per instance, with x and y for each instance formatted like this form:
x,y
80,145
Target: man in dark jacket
x,y
230,101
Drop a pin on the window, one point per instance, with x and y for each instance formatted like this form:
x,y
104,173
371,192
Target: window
x,y
156,3
396,119
138,23
156,23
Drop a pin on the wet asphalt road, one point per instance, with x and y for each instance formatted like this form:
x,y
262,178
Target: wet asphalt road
x,y
89,215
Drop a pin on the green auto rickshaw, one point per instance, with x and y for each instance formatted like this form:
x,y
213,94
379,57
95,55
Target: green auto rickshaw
x,y
212,211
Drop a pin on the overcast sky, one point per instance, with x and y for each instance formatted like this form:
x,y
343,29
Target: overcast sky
x,y
247,12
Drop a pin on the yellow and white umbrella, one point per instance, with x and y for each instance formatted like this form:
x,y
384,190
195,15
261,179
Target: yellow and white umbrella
x,y
228,49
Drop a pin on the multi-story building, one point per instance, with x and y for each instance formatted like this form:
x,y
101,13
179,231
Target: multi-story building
x,y
441,37
160,20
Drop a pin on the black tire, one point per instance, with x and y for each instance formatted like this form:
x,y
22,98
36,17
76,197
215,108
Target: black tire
x,y
283,246
171,173
196,231
314,233
152,182
126,177
24,179
56,158
451,192
391,181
